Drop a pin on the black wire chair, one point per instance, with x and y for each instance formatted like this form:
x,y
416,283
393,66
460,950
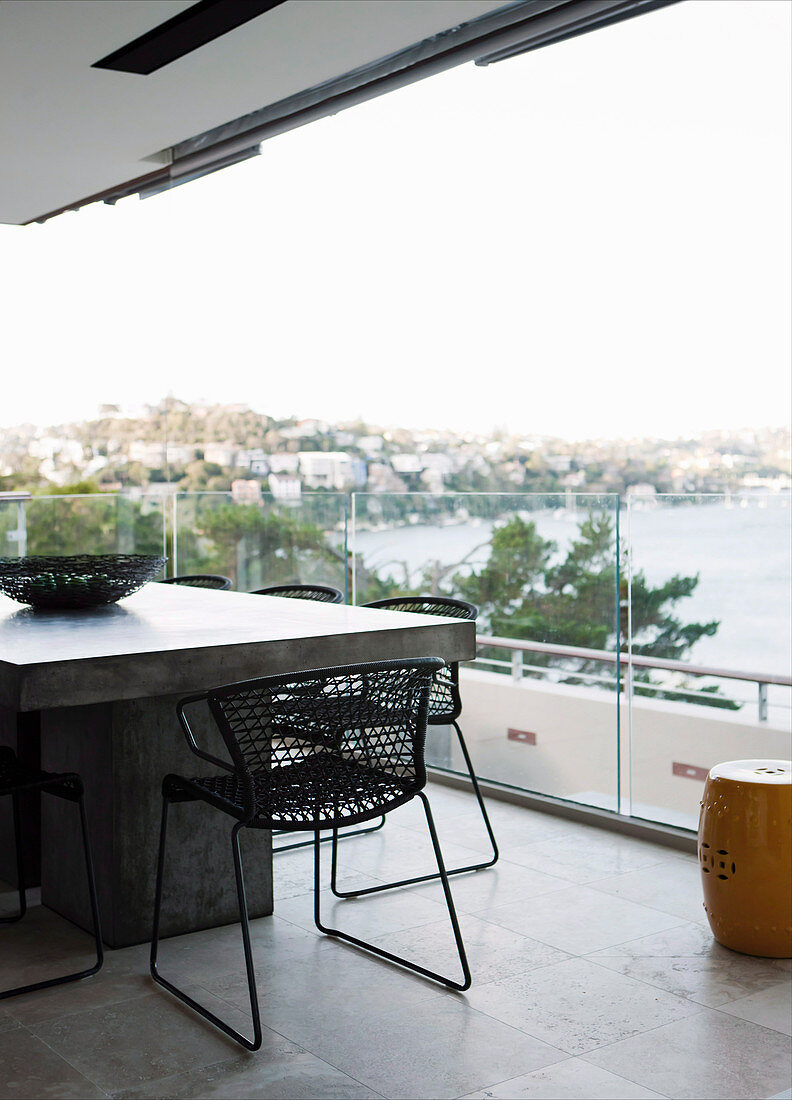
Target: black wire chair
x,y
201,580
322,593
312,750
14,779
445,706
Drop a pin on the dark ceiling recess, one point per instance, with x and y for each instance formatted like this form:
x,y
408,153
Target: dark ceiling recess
x,y
187,31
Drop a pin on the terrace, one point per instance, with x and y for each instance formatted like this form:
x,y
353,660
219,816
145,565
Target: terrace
x,y
593,976
595,973
594,970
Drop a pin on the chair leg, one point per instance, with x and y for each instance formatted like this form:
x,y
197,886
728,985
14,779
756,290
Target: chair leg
x,y
324,839
19,868
430,877
75,795
249,1044
442,875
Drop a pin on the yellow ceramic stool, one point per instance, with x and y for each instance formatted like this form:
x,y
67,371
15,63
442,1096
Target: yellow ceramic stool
x,y
745,852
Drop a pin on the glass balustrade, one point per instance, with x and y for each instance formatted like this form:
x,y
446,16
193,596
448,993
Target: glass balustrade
x,y
541,709
722,563
623,648
262,542
94,523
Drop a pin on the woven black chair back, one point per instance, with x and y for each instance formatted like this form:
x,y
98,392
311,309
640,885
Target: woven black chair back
x,y
445,702
202,580
324,748
322,593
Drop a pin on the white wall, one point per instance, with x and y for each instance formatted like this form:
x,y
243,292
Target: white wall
x,y
575,755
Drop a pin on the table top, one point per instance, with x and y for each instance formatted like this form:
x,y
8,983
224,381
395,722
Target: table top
x,y
166,639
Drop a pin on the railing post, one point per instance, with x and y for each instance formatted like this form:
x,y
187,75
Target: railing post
x,y
517,665
762,702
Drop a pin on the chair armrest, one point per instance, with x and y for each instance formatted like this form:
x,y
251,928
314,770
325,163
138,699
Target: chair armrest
x,y
190,736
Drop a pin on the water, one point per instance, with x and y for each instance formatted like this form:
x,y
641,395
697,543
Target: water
x,y
741,554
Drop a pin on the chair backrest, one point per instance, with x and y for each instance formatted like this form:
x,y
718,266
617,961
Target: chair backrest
x,y
322,593
202,580
445,702
369,719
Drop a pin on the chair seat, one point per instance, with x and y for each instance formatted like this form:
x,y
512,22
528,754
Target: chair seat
x,y
319,792
17,777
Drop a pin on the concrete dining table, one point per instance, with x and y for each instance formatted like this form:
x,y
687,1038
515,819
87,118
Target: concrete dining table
x,y
95,692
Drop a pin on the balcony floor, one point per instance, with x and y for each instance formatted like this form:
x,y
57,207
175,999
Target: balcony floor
x,y
594,975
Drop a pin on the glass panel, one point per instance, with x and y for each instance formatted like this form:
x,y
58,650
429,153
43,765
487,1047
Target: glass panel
x,y
543,570
94,523
264,542
710,587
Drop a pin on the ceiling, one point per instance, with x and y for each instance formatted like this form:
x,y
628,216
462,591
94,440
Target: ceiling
x,y
71,133
68,131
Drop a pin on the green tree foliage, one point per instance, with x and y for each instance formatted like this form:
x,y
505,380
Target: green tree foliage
x,y
92,523
523,592
257,547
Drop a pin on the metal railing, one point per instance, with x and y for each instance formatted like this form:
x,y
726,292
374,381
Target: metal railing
x,y
625,662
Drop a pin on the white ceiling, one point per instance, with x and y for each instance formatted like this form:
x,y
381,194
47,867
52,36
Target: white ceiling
x,y
68,131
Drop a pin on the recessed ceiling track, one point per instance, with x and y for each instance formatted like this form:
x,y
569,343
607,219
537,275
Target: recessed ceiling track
x,y
187,31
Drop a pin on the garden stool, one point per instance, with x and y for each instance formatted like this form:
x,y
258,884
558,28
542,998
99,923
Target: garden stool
x,y
745,852
14,779
311,750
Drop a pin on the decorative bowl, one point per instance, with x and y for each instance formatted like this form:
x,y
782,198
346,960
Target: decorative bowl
x,y
76,581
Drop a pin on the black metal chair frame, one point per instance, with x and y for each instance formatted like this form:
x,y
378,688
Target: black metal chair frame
x,y
445,706
14,779
341,746
320,593
202,580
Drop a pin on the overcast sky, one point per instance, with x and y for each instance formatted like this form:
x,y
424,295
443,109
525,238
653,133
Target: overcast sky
x,y
590,240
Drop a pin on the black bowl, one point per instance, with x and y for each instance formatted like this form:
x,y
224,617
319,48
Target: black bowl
x,y
80,580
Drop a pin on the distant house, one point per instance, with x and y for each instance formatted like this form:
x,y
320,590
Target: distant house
x,y
245,491
331,470
222,454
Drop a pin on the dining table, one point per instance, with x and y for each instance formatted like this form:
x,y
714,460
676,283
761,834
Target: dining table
x,y
95,691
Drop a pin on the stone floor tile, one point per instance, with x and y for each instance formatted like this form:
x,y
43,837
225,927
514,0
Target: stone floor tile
x,y
395,853
710,1055
712,979
217,952
29,1070
577,1006
43,945
785,1095
586,855
580,920
338,982
444,1049
493,951
573,1079
282,1073
673,887
367,917
122,1045
513,826
124,976
506,882
771,1008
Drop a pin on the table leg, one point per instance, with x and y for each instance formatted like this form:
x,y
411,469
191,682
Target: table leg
x,y
123,750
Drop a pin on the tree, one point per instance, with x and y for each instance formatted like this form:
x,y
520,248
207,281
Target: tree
x,y
522,593
256,546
